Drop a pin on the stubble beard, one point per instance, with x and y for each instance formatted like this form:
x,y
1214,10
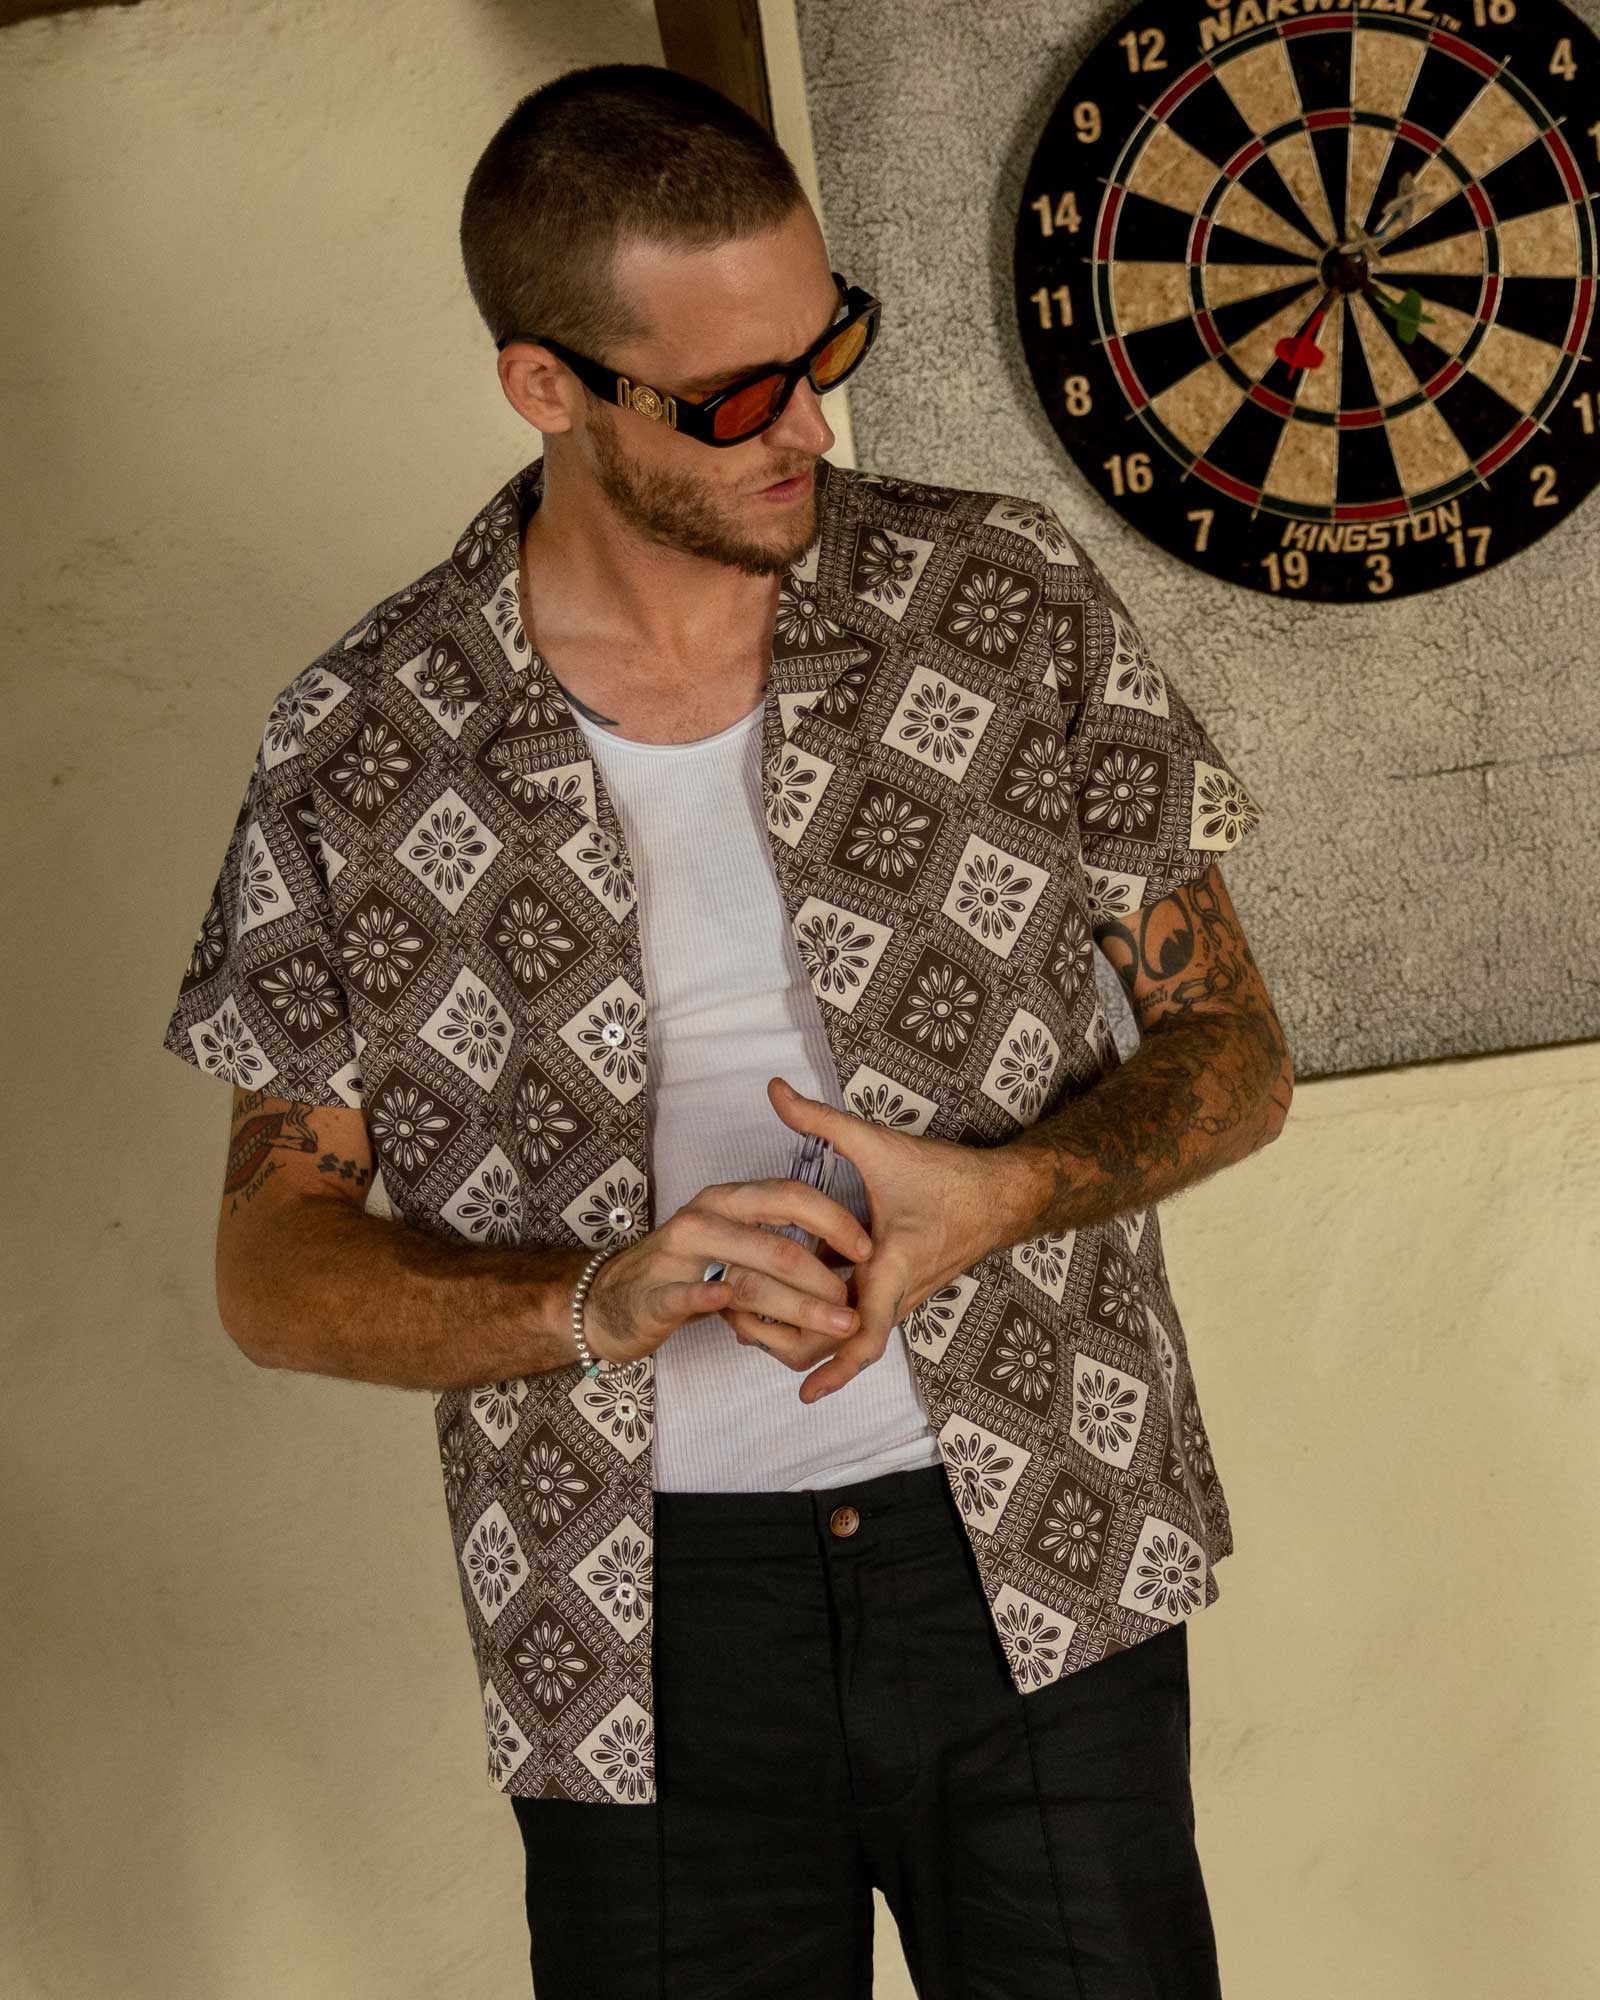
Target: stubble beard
x,y
675,509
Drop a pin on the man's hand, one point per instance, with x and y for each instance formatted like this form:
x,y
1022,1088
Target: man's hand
x,y
932,1215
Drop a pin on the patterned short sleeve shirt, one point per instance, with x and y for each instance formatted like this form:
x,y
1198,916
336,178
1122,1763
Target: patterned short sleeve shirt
x,y
426,910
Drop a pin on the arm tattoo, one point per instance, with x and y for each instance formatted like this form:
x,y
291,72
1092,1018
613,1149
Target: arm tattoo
x,y
1196,963
1192,1098
1189,945
1209,1083
1162,945
264,1126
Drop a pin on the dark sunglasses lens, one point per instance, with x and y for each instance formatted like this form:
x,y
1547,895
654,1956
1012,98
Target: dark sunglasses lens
x,y
745,413
842,353
755,407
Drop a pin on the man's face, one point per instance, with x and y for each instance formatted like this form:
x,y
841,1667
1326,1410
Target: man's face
x,y
715,315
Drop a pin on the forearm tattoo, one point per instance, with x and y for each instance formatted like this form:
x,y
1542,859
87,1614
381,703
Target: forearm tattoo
x,y
1209,1083
264,1129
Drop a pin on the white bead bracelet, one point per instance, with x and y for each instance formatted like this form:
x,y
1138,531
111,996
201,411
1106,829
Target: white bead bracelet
x,y
580,1292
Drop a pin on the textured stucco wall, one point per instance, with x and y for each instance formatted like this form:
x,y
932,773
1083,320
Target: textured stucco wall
x,y
1417,886
244,1748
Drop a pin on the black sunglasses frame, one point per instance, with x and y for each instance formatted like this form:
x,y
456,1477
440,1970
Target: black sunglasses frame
x,y
698,420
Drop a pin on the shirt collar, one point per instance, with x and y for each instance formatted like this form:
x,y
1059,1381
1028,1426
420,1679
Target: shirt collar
x,y
814,644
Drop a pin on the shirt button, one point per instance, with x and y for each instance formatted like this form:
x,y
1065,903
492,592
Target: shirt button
x,y
844,1520
620,1217
612,1033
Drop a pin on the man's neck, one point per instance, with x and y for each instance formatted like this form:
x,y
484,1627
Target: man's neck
x,y
644,642
593,583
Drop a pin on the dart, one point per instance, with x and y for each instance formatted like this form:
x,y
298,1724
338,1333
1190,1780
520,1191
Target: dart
x,y
1406,312
1398,208
1300,350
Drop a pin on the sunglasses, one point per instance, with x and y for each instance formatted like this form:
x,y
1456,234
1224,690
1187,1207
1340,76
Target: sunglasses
x,y
746,407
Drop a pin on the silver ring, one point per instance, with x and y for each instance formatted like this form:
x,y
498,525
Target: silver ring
x,y
713,1273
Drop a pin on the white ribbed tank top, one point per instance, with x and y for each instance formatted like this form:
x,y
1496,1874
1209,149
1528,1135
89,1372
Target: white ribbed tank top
x,y
729,1004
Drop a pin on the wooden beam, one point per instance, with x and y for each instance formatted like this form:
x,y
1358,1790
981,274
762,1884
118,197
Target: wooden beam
x,y
12,11
719,42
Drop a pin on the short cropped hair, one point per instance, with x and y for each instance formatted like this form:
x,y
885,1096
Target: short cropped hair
x,y
602,154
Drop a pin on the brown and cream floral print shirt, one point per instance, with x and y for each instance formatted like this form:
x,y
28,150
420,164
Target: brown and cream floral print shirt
x,y
426,909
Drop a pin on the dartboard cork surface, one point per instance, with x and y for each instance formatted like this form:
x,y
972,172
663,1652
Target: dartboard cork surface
x,y
1309,295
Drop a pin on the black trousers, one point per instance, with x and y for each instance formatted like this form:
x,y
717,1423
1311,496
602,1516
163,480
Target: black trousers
x,y
833,1712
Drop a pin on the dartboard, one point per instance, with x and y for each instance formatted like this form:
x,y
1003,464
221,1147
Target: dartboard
x,y
1309,297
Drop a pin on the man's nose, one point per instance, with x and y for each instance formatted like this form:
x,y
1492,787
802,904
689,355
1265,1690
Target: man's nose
x,y
802,427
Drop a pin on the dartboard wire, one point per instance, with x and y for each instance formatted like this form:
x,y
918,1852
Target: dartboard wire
x,y
1090,257
1589,196
1371,292
1310,231
1477,179
1439,140
1442,139
1335,215
1255,507
1412,513
1104,340
1394,258
1358,333
1147,114
1539,423
1353,222
1307,227
1329,292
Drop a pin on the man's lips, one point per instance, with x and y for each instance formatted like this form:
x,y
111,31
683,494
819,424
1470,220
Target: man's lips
x,y
782,488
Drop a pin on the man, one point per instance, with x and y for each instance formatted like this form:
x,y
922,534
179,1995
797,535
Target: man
x,y
707,796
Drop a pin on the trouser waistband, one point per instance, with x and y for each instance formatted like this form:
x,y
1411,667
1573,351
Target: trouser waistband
x,y
780,1523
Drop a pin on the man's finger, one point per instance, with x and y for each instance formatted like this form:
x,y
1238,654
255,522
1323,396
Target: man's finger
x,y
880,1292
854,1354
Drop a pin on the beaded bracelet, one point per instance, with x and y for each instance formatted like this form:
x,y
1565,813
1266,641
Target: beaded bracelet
x,y
585,1279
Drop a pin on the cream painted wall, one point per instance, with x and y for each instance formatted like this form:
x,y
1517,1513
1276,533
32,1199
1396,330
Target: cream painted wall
x,y
244,1754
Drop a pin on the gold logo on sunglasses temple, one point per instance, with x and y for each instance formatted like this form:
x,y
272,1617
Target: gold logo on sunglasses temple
x,y
647,402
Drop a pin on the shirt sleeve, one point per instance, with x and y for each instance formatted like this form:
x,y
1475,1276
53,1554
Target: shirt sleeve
x,y
1157,801
261,1003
